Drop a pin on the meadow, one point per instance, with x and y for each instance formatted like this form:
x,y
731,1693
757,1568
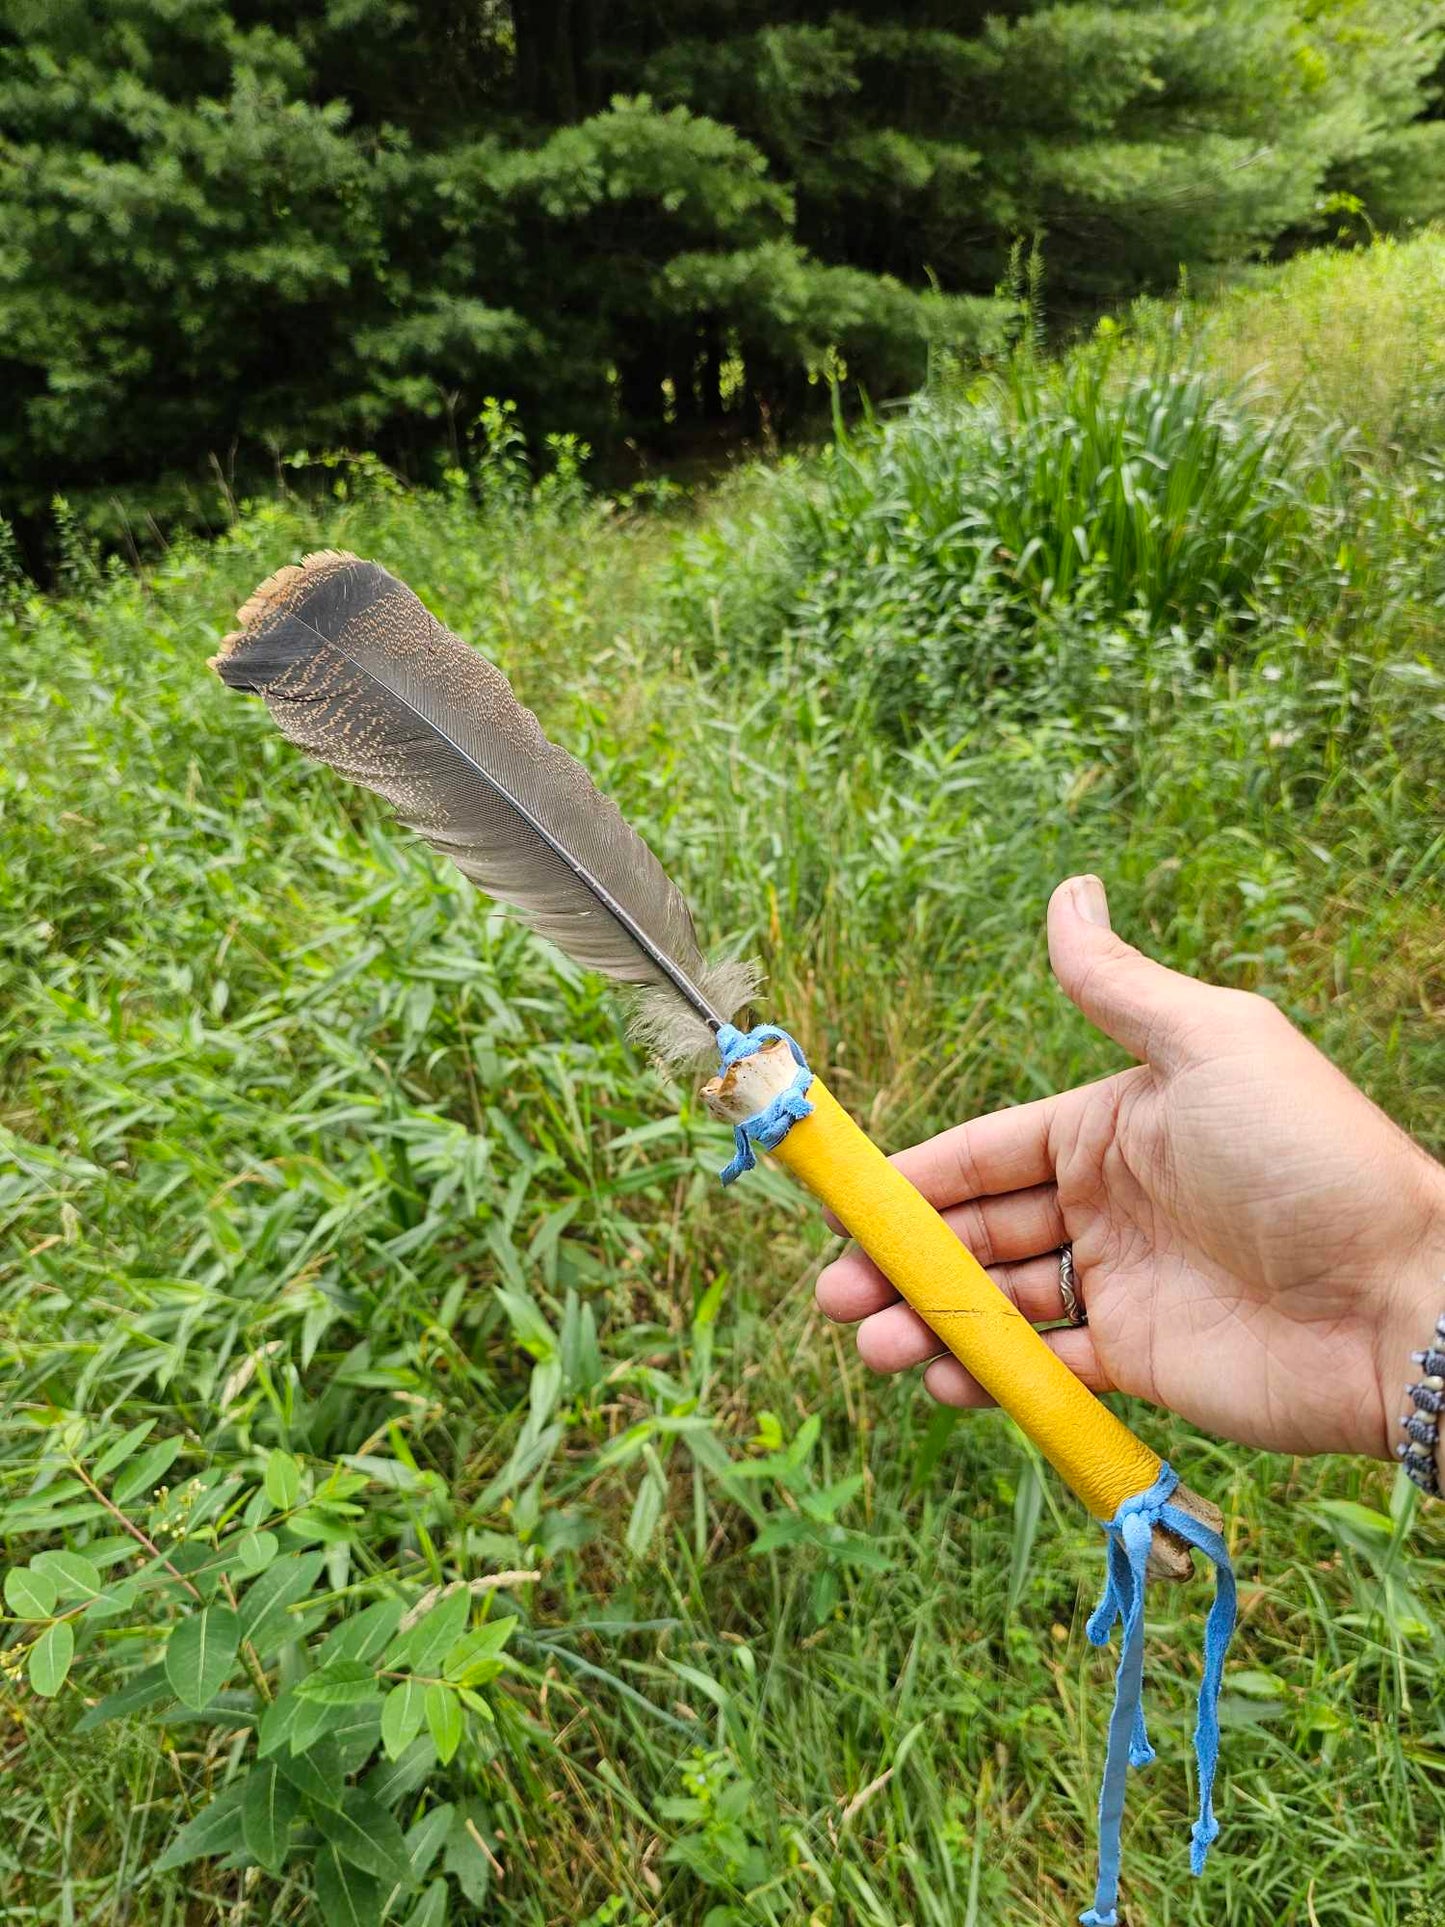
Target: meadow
x,y
370,1313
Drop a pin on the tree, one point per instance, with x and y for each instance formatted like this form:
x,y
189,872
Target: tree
x,y
1137,138
232,228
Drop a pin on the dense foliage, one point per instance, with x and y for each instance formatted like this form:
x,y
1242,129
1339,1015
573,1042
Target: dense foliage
x,y
423,1494
1037,514
233,229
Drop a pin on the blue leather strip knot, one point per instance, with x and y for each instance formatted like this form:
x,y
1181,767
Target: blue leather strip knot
x,y
1130,1531
771,1125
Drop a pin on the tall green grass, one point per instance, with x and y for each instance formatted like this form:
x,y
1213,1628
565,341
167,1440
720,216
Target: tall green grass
x,y
366,1204
950,553
1358,336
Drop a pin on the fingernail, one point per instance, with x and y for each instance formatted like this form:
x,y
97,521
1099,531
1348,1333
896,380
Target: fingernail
x,y
1091,902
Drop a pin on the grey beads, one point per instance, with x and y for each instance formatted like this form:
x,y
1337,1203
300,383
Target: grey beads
x,y
1419,1453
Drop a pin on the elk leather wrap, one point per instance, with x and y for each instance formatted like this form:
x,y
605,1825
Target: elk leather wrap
x,y
771,1095
1091,1450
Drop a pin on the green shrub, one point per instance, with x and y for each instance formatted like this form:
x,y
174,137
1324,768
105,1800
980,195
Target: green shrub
x,y
229,229
937,556
1360,335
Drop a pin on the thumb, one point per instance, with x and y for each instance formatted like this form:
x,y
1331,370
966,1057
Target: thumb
x,y
1139,1003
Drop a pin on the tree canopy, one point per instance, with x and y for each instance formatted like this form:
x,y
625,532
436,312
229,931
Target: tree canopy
x,y
230,228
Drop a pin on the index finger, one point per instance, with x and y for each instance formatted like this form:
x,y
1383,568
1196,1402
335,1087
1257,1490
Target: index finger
x,y
1001,1151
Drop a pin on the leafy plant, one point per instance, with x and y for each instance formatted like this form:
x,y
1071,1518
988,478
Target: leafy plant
x,y
338,1224
806,1515
330,1738
717,1843
987,538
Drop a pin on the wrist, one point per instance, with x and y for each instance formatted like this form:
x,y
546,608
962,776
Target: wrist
x,y
1414,1305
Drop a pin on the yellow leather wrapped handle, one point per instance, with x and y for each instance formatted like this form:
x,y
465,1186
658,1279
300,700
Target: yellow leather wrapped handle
x,y
1094,1452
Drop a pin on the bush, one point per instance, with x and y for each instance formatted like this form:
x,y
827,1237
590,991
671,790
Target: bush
x,y
1359,335
230,230
929,560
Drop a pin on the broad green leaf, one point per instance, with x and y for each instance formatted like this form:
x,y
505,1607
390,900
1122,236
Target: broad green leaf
x,y
364,1636
215,1829
256,1550
313,1718
30,1594
117,1550
50,1658
365,1833
1257,1686
477,1672
346,1896
270,1804
466,1856
317,1773
424,1645
121,1449
266,1603
393,1780
828,1501
147,1472
200,1654
431,1909
474,1657
283,1480
402,1714
355,1731
75,1577
424,1839
444,1720
342,1682
117,1598
783,1529
274,1731
316,1523
28,1520
392,1473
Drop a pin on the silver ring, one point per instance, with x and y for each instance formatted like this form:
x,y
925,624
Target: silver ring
x,y
1069,1288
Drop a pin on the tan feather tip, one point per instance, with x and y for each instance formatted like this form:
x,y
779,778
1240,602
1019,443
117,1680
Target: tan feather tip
x,y
279,587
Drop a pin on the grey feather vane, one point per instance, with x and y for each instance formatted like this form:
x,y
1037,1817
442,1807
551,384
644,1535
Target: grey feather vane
x,y
358,673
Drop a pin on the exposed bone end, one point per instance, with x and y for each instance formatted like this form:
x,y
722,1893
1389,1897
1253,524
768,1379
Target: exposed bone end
x,y
1171,1557
751,1084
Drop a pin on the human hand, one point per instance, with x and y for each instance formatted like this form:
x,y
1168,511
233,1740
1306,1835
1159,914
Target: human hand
x,y
1258,1247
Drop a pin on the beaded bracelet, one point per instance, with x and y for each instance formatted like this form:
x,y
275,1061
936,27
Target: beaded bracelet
x,y
1420,1454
